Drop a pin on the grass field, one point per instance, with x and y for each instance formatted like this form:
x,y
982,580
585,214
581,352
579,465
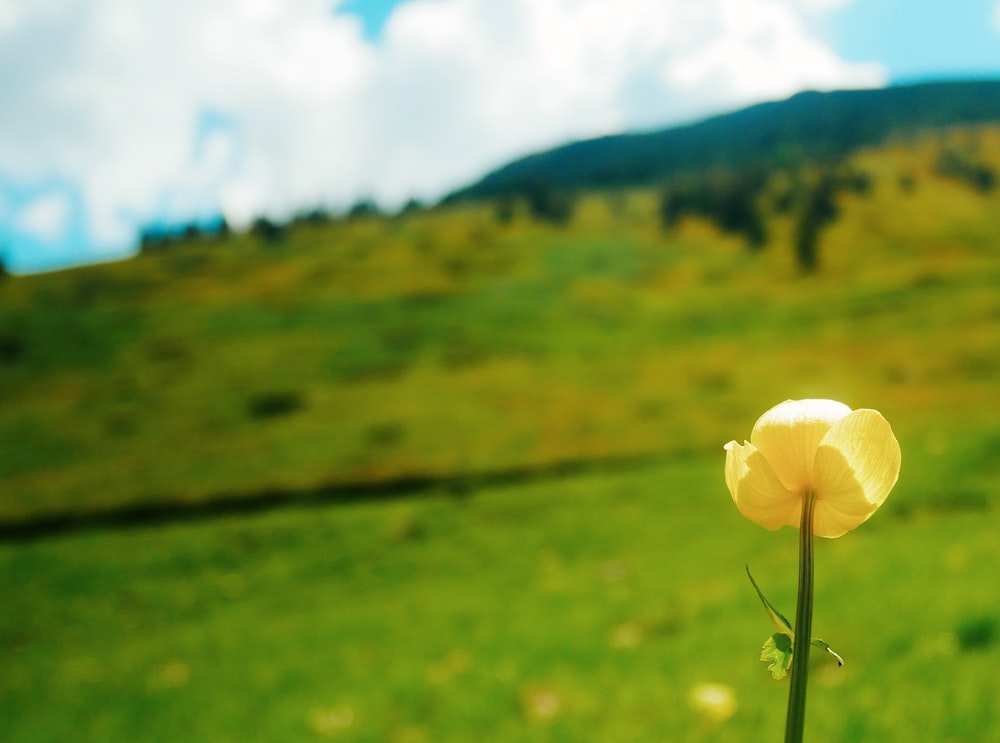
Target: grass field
x,y
156,414
583,609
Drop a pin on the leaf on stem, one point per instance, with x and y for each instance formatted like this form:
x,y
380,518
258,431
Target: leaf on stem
x,y
821,644
777,618
777,649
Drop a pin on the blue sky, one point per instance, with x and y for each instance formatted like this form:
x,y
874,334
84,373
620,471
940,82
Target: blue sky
x,y
118,114
373,13
919,39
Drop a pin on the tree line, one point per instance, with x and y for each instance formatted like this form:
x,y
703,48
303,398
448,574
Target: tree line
x,y
738,201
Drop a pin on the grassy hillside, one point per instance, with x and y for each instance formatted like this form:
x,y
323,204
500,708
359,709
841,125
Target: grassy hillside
x,y
588,609
522,599
445,343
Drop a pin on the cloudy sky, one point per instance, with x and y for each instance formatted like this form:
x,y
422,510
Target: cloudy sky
x,y
116,114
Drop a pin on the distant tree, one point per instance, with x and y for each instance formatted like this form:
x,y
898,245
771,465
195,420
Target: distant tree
x,y
222,228
153,237
736,211
191,231
678,202
274,404
412,205
964,167
160,236
806,244
363,208
267,230
729,200
315,216
12,346
855,181
547,204
984,179
819,209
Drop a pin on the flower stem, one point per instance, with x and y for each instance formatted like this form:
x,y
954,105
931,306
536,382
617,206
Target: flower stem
x,y
796,718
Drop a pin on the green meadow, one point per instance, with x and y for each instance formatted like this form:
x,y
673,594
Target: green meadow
x,y
447,476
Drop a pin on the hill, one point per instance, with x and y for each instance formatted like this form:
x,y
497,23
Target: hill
x,y
452,343
809,125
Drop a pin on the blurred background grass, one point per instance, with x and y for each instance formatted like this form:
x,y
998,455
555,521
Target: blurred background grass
x,y
503,595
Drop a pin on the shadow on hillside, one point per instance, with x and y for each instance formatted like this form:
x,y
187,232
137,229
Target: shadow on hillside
x,y
157,513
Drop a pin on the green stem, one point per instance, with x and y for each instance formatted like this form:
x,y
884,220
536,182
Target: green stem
x,y
796,719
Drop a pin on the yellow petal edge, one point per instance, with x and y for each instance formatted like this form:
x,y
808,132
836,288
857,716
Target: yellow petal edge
x,y
756,490
857,464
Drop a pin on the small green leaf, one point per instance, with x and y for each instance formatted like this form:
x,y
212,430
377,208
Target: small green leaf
x,y
778,650
821,644
777,619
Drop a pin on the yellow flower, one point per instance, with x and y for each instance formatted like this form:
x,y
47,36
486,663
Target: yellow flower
x,y
847,460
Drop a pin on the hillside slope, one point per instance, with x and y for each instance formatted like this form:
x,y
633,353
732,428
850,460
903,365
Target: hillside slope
x,y
811,125
449,343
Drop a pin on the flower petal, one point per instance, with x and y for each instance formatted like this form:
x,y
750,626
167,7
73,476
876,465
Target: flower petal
x,y
789,433
831,521
857,463
756,490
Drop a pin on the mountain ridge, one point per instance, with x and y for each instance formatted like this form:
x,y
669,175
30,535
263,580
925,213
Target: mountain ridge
x,y
809,125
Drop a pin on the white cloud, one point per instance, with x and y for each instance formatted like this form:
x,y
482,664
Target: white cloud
x,y
484,81
46,219
764,51
112,94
